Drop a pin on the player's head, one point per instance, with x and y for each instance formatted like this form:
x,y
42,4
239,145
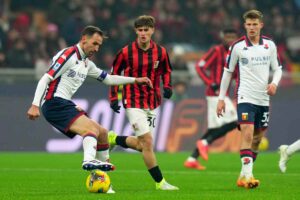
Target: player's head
x,y
228,36
91,40
144,28
253,22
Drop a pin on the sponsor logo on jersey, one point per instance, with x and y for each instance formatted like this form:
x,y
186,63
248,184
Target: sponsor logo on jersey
x,y
245,48
244,116
244,61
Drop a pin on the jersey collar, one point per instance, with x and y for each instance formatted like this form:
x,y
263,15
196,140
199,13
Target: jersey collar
x,y
249,44
151,45
79,52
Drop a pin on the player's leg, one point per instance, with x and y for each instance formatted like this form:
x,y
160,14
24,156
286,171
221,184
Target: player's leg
x,y
123,141
102,143
64,116
91,134
246,118
286,151
143,122
258,135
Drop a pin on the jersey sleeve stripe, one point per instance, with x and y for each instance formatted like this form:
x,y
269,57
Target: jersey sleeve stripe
x,y
52,88
60,61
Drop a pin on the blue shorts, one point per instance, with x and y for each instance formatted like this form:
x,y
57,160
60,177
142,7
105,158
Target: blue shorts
x,y
253,114
61,113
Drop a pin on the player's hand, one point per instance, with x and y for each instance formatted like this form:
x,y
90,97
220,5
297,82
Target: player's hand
x,y
144,81
214,87
220,108
168,93
33,112
115,106
271,89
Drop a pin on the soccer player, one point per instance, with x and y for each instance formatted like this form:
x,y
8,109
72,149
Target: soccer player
x,y
255,55
210,69
143,57
286,151
68,70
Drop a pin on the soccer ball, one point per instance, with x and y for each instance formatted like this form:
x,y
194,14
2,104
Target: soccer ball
x,y
98,182
264,144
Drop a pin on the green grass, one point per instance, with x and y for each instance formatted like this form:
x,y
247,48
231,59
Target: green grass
x,y
59,176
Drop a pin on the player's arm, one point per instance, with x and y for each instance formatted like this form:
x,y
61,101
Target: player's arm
x,y
205,63
59,65
166,75
232,59
277,68
34,112
113,80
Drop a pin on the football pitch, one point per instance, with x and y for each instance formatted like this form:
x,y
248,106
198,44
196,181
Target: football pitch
x,y
59,176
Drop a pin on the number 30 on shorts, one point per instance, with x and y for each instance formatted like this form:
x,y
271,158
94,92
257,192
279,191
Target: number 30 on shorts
x,y
151,121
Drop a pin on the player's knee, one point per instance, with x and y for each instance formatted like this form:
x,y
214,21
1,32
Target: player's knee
x,y
92,130
146,142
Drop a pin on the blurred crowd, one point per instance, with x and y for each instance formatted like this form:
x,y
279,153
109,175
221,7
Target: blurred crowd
x,y
32,31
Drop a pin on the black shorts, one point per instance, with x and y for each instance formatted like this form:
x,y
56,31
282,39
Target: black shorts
x,y
253,114
61,113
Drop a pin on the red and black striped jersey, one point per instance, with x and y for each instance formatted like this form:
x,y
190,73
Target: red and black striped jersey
x,y
210,67
153,63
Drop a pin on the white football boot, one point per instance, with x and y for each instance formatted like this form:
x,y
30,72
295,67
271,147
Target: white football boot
x,y
284,157
97,164
164,185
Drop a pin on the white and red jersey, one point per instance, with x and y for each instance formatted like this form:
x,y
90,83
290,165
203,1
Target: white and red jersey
x,y
68,71
254,63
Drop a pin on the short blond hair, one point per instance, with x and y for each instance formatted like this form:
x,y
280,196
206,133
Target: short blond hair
x,y
253,14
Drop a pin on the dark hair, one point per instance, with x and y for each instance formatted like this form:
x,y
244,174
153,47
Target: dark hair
x,y
144,20
253,14
91,30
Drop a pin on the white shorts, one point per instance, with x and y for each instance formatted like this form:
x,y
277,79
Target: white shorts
x,y
141,120
213,121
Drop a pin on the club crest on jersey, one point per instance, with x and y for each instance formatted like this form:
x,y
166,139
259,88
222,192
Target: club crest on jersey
x,y
245,48
156,63
244,116
266,46
71,73
244,61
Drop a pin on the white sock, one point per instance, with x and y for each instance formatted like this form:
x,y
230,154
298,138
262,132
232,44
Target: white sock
x,y
204,141
190,158
103,155
293,148
89,144
247,166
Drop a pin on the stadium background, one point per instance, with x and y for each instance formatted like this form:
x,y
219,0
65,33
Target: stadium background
x,y
31,31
